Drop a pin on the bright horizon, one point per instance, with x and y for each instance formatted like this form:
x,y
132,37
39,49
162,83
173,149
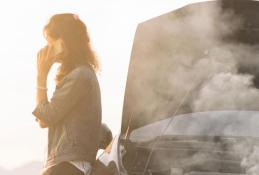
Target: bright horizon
x,y
111,27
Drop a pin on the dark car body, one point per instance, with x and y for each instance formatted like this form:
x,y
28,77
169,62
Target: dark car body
x,y
191,98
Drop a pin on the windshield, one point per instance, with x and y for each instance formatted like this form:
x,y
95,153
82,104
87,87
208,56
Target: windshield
x,y
214,123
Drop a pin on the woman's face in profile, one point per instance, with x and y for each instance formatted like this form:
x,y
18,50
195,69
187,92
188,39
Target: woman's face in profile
x,y
50,42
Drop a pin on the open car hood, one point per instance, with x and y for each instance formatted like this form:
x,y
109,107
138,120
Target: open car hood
x,y
201,57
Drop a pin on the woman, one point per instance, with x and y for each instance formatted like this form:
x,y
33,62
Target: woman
x,y
73,114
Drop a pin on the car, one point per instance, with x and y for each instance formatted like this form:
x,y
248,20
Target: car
x,y
192,94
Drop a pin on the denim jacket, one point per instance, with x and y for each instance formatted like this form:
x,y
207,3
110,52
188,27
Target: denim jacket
x,y
73,118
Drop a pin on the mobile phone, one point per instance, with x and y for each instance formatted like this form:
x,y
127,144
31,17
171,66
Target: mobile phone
x,y
57,47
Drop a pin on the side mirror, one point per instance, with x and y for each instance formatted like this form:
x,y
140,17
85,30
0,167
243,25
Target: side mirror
x,y
106,136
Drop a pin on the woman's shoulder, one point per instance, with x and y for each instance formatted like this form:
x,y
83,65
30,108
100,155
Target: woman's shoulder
x,y
82,72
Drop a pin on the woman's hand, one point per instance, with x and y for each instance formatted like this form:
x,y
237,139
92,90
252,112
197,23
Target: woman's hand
x,y
44,62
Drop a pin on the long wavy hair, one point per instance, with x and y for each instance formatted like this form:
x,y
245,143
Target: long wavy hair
x,y
73,32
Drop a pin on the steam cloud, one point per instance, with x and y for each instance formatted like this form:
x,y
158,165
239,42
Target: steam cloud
x,y
185,65
187,54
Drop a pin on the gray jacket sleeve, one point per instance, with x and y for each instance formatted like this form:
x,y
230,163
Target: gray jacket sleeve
x,y
63,100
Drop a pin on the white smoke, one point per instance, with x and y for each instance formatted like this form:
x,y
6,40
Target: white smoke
x,y
175,58
184,65
177,62
233,91
251,161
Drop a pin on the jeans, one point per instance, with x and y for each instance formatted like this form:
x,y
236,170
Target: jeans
x,y
64,168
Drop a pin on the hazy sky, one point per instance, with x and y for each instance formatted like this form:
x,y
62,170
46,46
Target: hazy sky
x,y
111,25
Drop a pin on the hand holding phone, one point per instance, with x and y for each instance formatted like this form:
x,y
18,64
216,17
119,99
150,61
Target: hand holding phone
x,y
48,55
